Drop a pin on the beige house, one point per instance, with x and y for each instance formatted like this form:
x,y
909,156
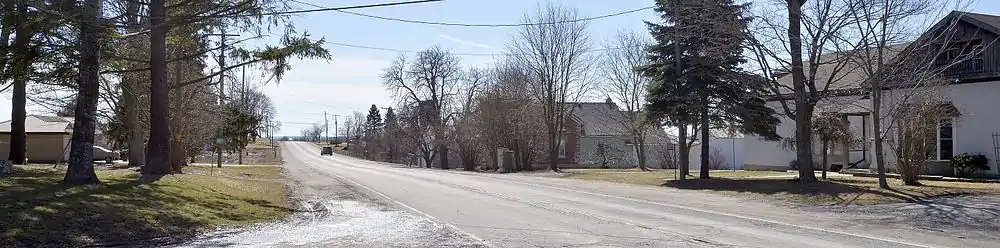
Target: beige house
x,y
48,138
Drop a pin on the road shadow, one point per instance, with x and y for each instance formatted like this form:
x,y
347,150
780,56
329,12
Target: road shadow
x,y
823,191
37,211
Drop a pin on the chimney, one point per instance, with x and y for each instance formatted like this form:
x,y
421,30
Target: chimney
x,y
608,100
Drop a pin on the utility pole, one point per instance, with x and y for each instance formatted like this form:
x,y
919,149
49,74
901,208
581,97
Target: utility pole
x,y
326,124
219,140
335,127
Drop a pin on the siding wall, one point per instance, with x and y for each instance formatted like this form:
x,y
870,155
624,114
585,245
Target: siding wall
x,y
42,148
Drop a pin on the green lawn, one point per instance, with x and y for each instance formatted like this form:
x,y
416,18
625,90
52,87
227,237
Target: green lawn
x,y
37,211
780,186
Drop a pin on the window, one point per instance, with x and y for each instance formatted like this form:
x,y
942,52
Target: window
x,y
562,147
945,140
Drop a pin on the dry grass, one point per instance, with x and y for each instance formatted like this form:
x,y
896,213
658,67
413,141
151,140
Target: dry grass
x,y
780,187
37,211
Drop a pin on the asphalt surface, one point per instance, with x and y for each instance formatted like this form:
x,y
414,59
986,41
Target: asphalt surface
x,y
466,209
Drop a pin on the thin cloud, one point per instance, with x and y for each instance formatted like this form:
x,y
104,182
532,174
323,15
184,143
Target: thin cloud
x,y
464,42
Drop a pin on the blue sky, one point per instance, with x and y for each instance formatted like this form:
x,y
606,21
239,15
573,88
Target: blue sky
x,y
350,81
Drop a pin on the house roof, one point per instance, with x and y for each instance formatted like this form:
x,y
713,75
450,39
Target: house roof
x,y
845,71
986,21
606,119
42,124
840,70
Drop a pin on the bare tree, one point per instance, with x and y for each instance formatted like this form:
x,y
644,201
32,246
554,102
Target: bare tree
x,y
623,53
429,82
882,23
717,160
467,128
846,42
556,61
421,143
778,48
357,124
313,133
916,141
509,116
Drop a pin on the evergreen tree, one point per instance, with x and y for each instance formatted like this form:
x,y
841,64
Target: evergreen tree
x,y
391,132
240,129
696,79
373,123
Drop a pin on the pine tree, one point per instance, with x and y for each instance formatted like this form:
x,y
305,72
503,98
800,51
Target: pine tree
x,y
373,123
391,133
696,78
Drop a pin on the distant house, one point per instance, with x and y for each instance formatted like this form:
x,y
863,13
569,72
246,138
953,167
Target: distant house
x,y
601,124
48,138
970,97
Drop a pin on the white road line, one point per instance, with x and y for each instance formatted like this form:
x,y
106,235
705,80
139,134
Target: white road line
x,y
404,205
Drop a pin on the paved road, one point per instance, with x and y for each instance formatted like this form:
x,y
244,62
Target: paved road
x,y
526,211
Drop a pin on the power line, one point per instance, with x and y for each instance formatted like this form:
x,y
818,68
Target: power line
x,y
479,25
322,9
458,54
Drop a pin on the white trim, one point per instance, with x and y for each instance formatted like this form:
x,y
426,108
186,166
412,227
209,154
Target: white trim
x,y
937,151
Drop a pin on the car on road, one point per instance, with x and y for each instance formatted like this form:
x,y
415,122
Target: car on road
x,y
326,150
101,153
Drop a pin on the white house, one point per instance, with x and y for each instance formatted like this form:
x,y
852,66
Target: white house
x,y
969,61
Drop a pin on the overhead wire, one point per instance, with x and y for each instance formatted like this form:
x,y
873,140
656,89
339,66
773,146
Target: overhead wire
x,y
458,54
323,9
478,25
464,25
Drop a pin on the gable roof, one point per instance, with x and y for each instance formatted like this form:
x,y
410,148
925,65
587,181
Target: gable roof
x,y
841,70
42,124
598,118
988,22
845,73
605,119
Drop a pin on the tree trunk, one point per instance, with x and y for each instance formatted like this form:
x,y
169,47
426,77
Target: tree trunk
x,y
443,152
177,119
131,84
803,108
137,136
705,135
826,144
81,161
428,159
240,159
683,154
877,135
553,150
23,57
177,154
158,149
640,154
